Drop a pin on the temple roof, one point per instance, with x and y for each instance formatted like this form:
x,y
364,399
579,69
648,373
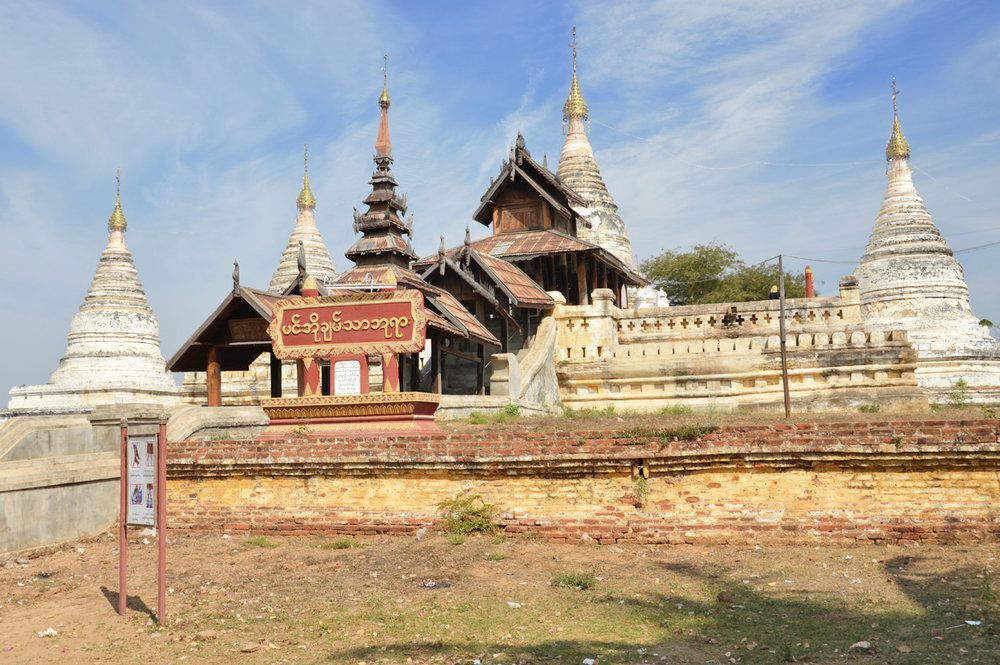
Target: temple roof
x,y
445,312
521,290
549,186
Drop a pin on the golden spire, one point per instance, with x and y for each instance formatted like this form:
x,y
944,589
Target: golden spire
x,y
575,104
306,198
383,99
897,147
117,220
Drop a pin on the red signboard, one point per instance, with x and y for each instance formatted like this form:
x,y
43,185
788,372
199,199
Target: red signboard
x,y
371,323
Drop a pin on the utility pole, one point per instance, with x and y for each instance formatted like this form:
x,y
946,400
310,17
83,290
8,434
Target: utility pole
x,y
781,333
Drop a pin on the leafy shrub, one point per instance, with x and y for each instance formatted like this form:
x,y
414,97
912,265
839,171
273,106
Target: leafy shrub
x,y
575,580
958,397
512,410
468,513
869,408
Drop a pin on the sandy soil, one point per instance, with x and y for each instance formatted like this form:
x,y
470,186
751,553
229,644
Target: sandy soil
x,y
400,600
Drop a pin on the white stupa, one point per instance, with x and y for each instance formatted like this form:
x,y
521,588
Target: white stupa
x,y
113,350
307,233
578,169
909,279
250,386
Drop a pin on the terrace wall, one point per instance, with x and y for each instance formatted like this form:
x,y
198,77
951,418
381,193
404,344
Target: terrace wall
x,y
806,482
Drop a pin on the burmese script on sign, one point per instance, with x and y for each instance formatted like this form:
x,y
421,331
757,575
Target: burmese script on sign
x,y
321,331
365,323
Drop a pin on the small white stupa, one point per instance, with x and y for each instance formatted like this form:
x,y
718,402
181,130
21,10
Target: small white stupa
x,y
113,350
248,387
307,233
909,279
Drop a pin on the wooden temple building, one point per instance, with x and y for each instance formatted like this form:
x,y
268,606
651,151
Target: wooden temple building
x,y
482,297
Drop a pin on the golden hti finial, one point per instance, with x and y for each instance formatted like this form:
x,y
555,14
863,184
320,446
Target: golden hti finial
x,y
575,104
383,99
117,220
897,147
306,198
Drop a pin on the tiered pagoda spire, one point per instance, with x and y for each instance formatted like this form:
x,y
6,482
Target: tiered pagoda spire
x,y
578,169
908,276
385,236
307,233
113,347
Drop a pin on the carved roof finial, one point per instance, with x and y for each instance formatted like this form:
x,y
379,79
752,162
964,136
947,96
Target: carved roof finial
x,y
236,276
117,220
306,198
897,147
301,261
575,104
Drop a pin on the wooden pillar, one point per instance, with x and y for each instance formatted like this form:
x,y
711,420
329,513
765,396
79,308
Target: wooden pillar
x,y
213,378
593,277
581,279
539,272
604,276
436,368
564,261
504,334
275,375
481,371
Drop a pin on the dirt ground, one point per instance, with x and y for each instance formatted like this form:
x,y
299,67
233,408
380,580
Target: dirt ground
x,y
495,600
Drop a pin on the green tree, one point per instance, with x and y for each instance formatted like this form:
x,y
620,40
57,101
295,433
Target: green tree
x,y
714,273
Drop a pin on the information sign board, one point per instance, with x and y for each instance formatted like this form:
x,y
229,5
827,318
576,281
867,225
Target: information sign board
x,y
141,467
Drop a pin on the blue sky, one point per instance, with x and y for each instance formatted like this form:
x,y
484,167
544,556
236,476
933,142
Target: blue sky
x,y
758,124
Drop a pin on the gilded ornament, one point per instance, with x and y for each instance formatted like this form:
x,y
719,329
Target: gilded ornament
x,y
306,198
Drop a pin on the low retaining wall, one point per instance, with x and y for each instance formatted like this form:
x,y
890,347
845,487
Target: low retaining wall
x,y
806,482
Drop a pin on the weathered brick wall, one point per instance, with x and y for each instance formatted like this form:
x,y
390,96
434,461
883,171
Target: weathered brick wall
x,y
869,481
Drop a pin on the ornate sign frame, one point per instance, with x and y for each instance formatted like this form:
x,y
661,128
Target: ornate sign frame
x,y
411,344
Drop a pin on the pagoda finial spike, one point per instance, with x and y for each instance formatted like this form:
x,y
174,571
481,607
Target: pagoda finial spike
x,y
306,198
897,147
575,104
117,220
384,99
572,45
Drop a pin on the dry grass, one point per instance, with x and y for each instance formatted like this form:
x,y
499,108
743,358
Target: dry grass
x,y
301,603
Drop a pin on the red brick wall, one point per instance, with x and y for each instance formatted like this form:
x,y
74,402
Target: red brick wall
x,y
872,481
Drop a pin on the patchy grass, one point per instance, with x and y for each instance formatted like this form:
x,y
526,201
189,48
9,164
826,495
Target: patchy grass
x,y
589,413
686,604
869,408
260,541
582,581
468,513
456,538
340,544
688,432
509,412
674,410
495,556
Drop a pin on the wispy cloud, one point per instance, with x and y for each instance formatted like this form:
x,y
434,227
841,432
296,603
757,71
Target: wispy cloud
x,y
704,117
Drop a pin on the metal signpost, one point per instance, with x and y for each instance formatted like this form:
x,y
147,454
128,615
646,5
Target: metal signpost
x,y
143,503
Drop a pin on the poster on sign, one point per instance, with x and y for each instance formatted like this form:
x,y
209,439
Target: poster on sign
x,y
347,377
141,452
